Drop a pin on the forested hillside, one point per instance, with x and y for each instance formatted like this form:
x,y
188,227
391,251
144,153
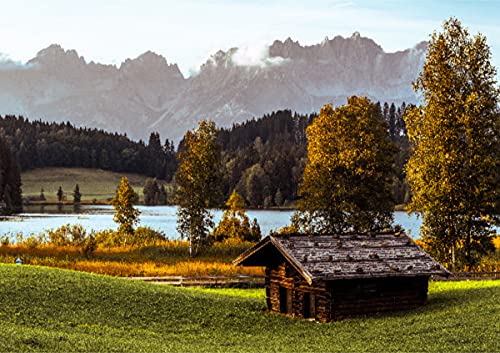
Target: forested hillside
x,y
263,159
10,182
38,144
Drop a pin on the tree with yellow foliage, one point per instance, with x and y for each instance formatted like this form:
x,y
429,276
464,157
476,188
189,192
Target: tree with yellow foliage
x,y
235,223
346,184
198,182
454,170
126,215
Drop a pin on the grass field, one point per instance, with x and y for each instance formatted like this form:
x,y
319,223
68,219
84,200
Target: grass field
x,y
94,183
167,258
55,310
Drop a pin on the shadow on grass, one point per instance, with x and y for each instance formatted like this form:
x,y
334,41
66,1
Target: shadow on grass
x,y
448,300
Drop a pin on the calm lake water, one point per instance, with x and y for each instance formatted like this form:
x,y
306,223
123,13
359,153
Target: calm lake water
x,y
163,218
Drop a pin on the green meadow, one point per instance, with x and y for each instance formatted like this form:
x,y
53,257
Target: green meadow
x,y
44,309
94,183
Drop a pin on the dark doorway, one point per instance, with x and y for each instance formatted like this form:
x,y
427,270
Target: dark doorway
x,y
283,300
306,305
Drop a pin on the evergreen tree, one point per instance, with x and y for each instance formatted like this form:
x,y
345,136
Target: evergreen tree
x,y
77,196
42,195
346,183
162,197
60,194
198,184
454,170
278,198
10,182
255,232
151,192
257,185
392,122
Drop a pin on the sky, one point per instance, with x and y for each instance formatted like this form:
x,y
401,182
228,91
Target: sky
x,y
187,32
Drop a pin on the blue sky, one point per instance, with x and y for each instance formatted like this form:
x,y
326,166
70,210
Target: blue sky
x,y
188,31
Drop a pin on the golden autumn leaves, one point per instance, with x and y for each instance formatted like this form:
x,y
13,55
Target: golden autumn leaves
x,y
346,182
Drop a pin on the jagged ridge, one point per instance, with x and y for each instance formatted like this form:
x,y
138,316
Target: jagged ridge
x,y
148,94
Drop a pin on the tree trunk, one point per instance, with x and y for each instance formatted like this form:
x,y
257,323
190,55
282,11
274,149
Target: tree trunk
x,y
453,262
190,246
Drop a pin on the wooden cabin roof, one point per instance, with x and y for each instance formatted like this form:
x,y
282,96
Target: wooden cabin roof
x,y
330,257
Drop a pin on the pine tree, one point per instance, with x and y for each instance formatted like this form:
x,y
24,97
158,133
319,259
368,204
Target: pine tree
x,y
454,169
10,182
255,231
60,194
162,197
392,122
77,196
151,192
42,195
278,198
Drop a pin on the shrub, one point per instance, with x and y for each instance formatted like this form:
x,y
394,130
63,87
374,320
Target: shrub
x,y
108,238
68,235
144,236
4,240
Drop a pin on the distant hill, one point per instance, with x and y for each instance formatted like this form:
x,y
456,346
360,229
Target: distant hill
x,y
148,94
95,184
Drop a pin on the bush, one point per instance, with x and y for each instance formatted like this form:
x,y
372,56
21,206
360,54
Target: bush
x,y
108,238
68,235
4,240
144,236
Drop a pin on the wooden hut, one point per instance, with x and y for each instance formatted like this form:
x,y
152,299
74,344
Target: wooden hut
x,y
331,277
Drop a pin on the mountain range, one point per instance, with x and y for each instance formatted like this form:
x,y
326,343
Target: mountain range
x,y
148,94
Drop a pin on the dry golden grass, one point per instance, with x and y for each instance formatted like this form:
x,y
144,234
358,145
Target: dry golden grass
x,y
488,263
165,258
168,258
150,269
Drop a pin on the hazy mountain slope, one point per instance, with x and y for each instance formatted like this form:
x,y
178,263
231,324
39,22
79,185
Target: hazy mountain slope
x,y
148,94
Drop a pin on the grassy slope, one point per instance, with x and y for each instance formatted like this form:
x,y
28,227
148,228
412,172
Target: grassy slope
x,y
53,310
94,183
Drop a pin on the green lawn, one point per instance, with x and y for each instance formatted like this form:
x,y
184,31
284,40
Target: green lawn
x,y
94,183
46,309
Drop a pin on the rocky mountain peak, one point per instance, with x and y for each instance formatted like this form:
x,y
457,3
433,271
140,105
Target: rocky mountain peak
x,y
232,85
150,63
55,56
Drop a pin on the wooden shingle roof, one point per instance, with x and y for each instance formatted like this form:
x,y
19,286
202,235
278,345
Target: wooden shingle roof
x,y
330,257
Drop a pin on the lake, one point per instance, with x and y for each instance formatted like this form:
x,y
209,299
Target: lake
x,y
163,218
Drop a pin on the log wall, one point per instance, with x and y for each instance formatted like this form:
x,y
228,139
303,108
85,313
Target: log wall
x,y
364,296
286,277
287,292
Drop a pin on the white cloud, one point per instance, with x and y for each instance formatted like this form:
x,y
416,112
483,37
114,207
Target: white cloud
x,y
256,55
7,64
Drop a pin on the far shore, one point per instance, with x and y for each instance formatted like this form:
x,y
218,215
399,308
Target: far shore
x,y
108,203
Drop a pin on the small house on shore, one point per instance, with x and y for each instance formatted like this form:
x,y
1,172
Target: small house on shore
x,y
331,277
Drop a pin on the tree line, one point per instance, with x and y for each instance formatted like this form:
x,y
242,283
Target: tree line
x,y
37,144
10,181
263,159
